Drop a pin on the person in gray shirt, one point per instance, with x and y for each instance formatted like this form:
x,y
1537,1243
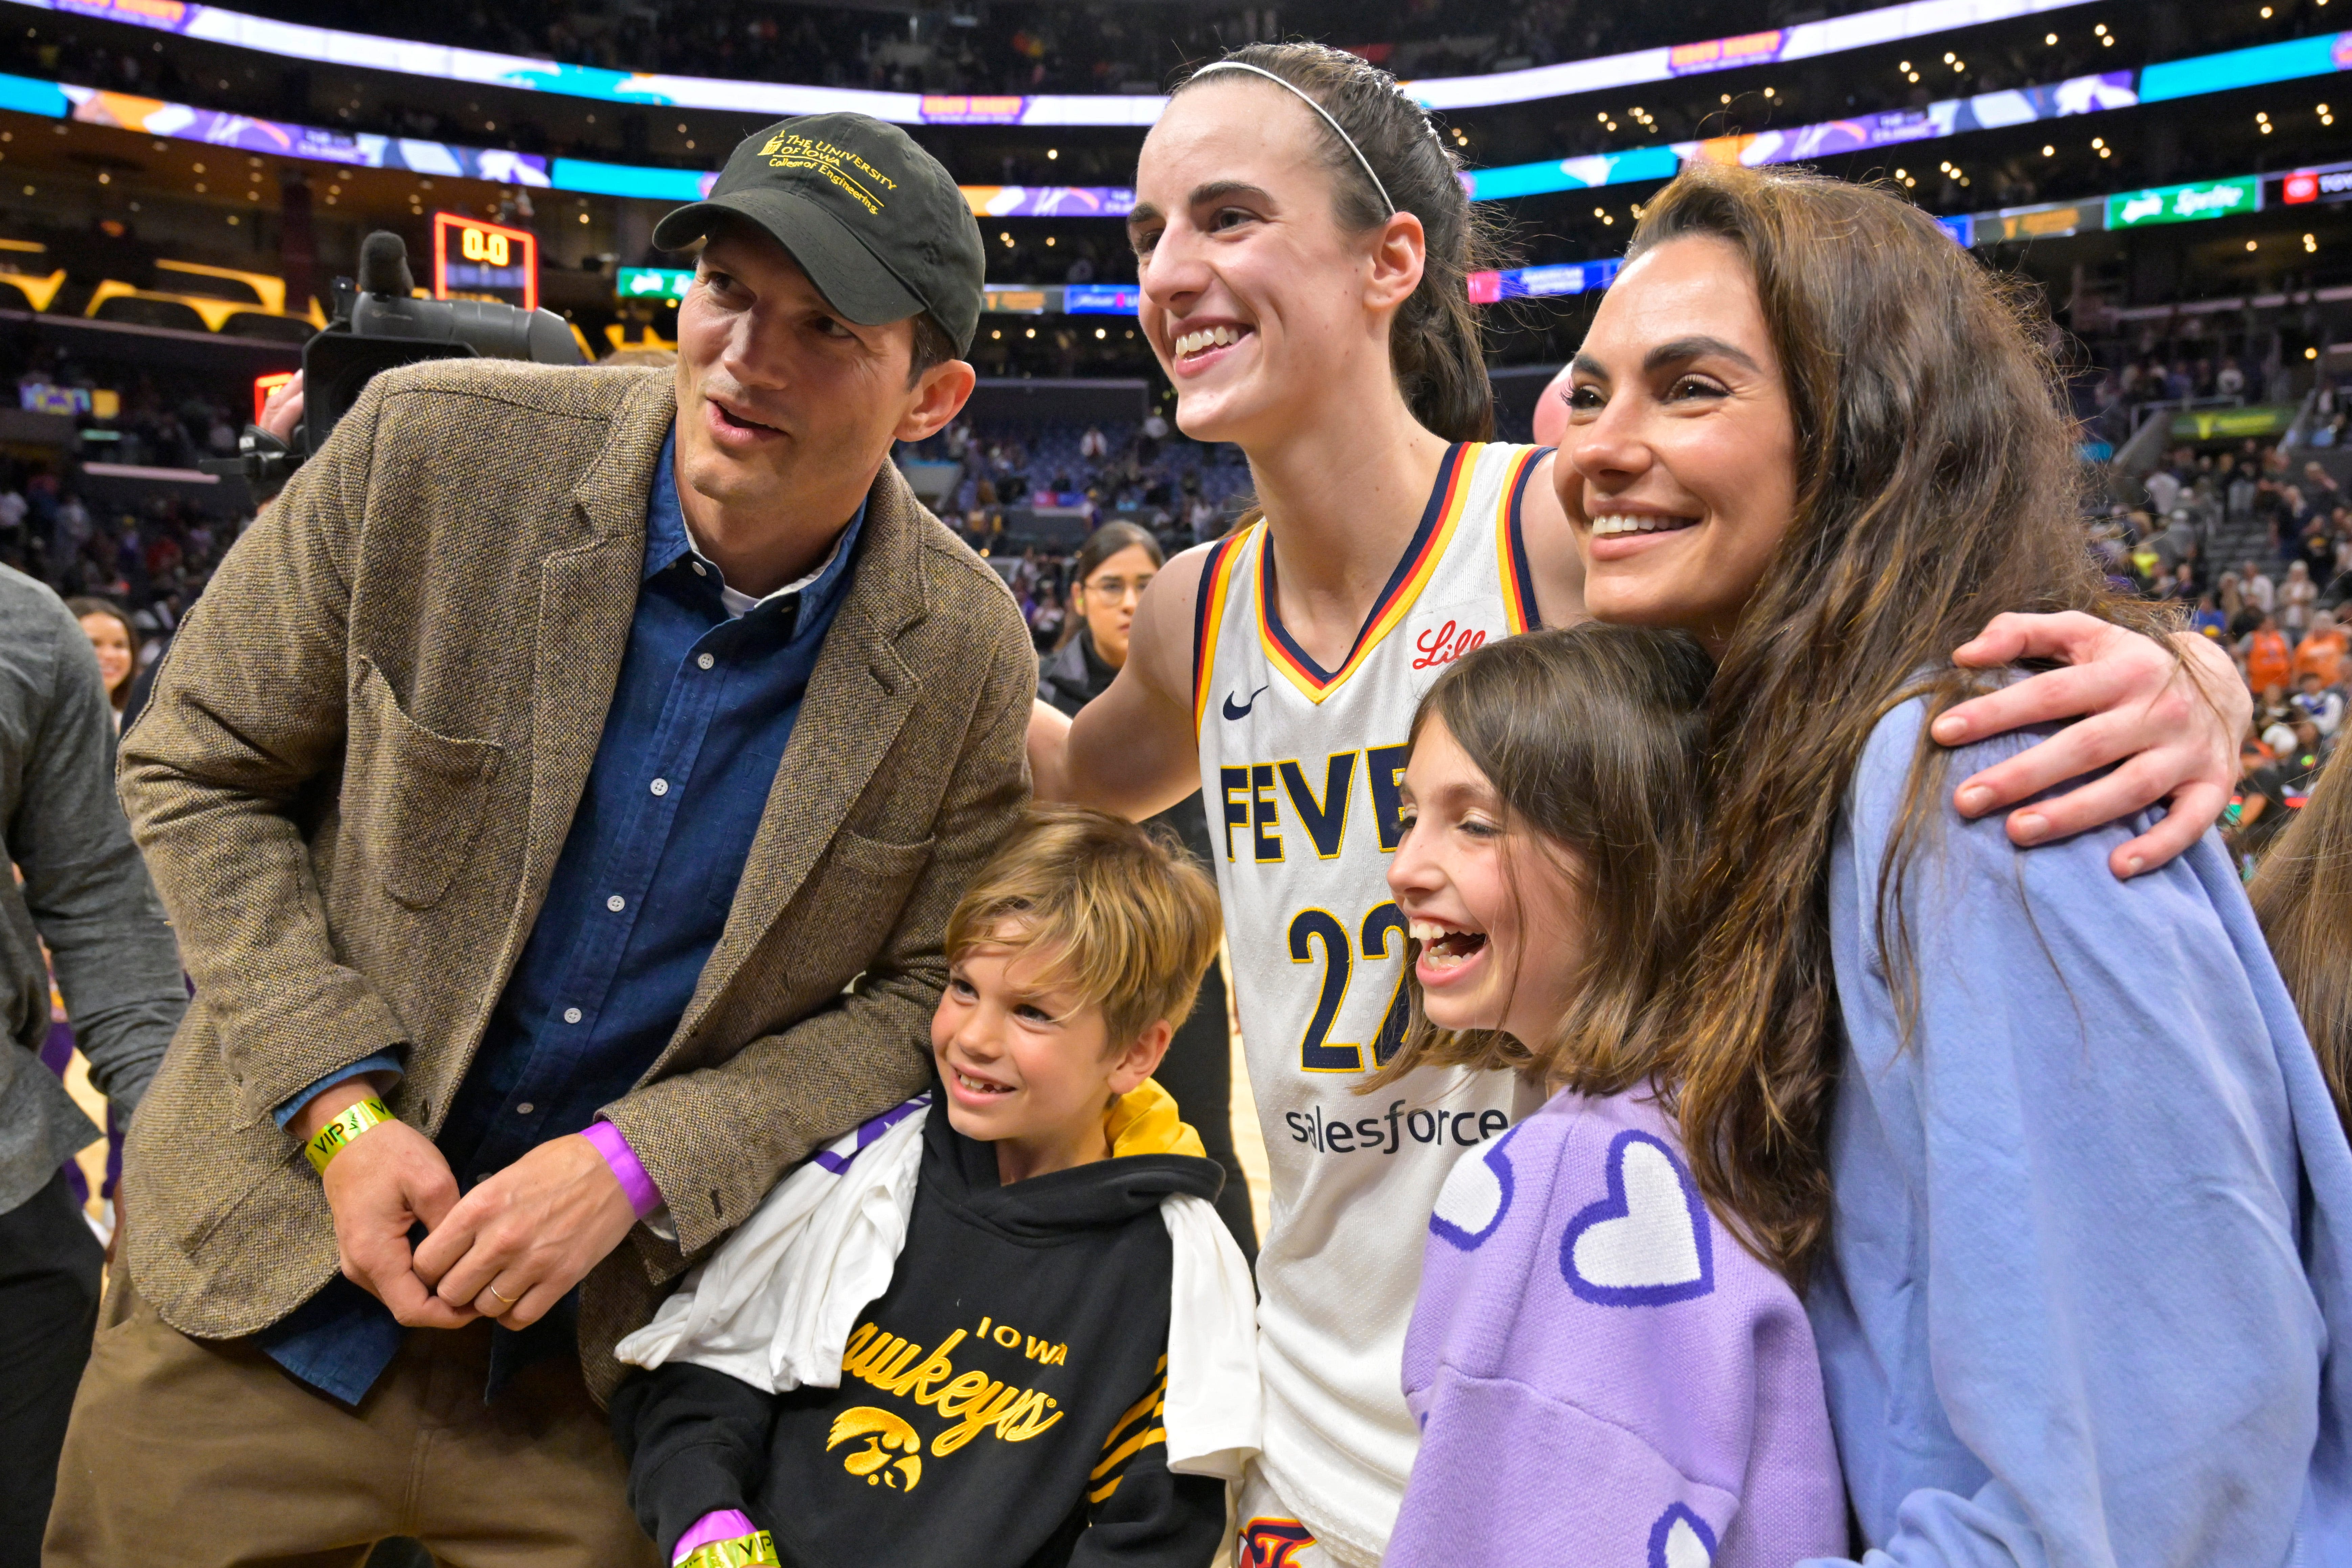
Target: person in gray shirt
x,y
79,886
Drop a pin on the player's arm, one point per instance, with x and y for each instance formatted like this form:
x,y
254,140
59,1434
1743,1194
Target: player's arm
x,y
1552,557
1131,751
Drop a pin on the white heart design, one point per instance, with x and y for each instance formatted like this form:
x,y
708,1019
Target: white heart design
x,y
1646,1243
1685,1549
1476,1193
1680,1538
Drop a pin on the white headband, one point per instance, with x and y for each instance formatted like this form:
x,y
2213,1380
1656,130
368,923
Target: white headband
x,y
1294,88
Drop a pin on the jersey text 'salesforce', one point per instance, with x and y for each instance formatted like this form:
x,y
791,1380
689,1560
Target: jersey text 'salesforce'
x,y
1300,773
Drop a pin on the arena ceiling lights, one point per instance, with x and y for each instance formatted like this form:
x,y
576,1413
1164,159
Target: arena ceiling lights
x,y
2174,79
327,46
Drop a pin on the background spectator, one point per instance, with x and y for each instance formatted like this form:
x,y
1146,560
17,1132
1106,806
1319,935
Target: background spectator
x,y
115,640
81,890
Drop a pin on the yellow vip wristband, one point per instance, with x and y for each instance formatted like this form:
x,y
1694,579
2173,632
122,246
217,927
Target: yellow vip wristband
x,y
335,1135
744,1552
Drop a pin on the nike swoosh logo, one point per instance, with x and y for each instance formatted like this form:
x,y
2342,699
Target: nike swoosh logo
x,y
1242,711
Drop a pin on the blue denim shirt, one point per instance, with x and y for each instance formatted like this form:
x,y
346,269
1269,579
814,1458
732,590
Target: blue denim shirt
x,y
702,711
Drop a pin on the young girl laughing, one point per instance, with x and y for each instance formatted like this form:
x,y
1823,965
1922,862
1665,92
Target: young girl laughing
x,y
1601,1372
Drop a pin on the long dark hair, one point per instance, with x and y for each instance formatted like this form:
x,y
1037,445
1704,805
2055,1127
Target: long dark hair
x,y
2303,896
1434,340
1101,545
1938,485
1593,736
85,604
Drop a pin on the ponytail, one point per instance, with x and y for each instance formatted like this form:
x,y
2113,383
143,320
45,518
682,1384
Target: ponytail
x,y
1434,341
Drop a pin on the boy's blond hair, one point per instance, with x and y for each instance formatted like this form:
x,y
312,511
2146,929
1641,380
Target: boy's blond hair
x,y
1128,921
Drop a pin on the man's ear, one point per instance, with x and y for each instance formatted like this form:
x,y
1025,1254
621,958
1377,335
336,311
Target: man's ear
x,y
938,396
1141,1058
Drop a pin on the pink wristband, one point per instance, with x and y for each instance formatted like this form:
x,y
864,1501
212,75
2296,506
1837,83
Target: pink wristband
x,y
726,1524
635,1186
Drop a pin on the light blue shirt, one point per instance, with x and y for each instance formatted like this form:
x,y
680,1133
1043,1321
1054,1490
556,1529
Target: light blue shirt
x,y
2089,1244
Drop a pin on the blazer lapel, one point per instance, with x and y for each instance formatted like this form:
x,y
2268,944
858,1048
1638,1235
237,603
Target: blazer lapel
x,y
858,699
587,598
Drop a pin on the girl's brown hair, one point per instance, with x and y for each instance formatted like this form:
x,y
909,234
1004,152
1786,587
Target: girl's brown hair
x,y
2303,896
1591,738
1937,485
1434,340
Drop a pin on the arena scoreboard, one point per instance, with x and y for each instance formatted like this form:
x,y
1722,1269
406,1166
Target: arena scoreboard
x,y
473,260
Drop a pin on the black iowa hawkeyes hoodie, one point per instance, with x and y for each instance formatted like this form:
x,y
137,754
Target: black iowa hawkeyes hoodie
x,y
998,1405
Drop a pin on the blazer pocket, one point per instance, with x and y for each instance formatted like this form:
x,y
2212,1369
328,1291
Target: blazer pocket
x,y
883,862
862,891
413,798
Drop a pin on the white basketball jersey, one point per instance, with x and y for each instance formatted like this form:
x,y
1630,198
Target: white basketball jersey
x,y
1299,772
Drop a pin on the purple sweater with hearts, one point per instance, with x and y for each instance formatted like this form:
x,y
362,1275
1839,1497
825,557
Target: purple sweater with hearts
x,y
1602,1374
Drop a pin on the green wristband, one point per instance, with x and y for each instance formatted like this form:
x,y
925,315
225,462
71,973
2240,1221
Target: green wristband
x,y
743,1551
331,1139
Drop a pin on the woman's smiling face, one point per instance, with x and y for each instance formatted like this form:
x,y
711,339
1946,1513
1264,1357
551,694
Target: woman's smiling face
x,y
1678,470
1253,293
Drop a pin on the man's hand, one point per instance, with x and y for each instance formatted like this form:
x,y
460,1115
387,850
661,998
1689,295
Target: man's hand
x,y
2171,723
380,1185
514,1245
283,412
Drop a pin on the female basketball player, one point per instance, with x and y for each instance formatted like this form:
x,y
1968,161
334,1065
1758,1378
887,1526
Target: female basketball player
x,y
1303,240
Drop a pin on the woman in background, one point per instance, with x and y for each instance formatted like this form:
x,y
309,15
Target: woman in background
x,y
1113,568
116,643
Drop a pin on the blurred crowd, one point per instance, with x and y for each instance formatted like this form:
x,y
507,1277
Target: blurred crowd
x,y
1025,494
2255,543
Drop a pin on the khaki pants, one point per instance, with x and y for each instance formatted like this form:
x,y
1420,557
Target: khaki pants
x,y
208,1454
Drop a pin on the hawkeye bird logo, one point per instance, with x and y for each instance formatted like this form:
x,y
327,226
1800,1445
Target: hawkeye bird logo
x,y
1242,711
883,1433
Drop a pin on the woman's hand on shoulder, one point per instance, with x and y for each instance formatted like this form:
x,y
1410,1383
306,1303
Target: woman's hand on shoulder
x,y
2168,720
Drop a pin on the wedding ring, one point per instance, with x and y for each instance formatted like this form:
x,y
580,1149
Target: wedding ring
x,y
509,1301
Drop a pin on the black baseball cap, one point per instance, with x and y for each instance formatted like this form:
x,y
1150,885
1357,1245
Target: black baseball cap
x,y
875,222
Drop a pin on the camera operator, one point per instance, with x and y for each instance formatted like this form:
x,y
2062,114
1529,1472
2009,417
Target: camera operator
x,y
560,790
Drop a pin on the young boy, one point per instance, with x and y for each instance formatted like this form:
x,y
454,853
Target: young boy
x,y
1000,1402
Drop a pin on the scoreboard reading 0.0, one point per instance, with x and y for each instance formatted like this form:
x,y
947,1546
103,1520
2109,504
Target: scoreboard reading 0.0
x,y
472,259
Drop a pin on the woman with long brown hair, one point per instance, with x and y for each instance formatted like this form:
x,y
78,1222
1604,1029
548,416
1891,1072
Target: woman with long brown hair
x,y
2049,1151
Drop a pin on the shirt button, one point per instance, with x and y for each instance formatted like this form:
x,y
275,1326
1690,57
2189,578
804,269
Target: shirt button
x,y
701,571
661,786
524,1109
616,904
571,1015
706,661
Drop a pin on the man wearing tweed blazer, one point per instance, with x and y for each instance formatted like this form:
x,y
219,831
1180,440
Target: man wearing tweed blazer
x,y
582,764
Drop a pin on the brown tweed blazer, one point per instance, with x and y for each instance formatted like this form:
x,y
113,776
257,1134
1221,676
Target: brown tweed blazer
x,y
363,753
